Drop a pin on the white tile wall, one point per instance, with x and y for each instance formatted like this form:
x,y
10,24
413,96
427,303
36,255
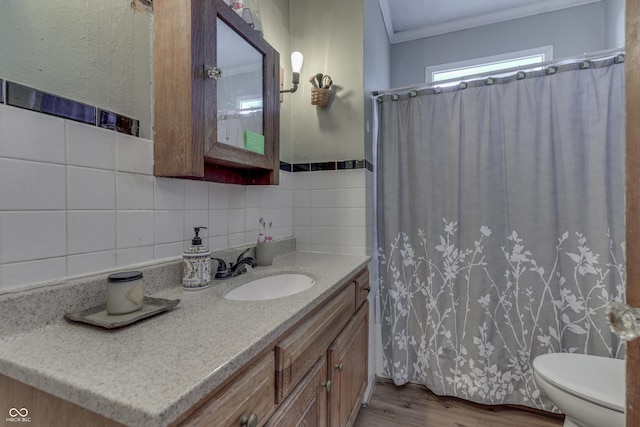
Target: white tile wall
x,y
134,154
31,185
169,226
134,191
90,262
28,135
90,188
76,199
32,235
330,211
134,229
90,231
370,208
90,147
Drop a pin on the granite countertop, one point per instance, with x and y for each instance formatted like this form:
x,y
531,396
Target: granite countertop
x,y
151,372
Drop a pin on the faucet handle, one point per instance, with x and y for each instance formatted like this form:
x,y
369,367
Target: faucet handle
x,y
242,255
223,271
222,266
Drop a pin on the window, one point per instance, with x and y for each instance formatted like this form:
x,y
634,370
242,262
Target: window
x,y
459,70
249,105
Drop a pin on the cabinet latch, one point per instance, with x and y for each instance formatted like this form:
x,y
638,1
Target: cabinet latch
x,y
213,72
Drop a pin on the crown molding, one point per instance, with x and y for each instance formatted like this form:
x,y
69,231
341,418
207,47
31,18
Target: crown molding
x,y
475,21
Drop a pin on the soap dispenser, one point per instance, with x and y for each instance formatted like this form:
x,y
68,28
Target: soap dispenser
x,y
197,264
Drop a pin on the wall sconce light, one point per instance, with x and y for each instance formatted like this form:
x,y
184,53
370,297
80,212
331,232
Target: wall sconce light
x,y
296,66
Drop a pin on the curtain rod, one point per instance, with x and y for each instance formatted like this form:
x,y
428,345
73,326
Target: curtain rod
x,y
586,56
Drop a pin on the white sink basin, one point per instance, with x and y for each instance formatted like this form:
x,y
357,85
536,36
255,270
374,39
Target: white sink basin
x,y
272,287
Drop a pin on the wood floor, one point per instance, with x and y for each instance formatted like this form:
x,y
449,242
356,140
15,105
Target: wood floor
x,y
414,406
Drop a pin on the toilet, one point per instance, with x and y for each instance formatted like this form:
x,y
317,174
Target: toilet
x,y
590,390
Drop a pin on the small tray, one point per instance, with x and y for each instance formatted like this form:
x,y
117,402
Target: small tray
x,y
98,316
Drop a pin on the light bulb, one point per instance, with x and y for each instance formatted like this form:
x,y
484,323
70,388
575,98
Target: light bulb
x,y
296,62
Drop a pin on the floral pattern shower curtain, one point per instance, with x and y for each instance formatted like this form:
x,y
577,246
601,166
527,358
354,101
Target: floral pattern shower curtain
x,y
500,228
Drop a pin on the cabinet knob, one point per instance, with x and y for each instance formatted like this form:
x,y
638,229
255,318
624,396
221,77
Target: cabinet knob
x,y
251,421
327,385
339,367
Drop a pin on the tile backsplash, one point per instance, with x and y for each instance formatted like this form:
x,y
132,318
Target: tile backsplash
x,y
330,211
76,199
21,96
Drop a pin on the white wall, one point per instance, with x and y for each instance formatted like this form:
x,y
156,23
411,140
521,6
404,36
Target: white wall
x,y
94,52
614,16
572,31
330,35
377,64
275,23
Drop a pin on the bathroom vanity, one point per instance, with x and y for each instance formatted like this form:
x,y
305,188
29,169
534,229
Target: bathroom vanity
x,y
314,374
209,361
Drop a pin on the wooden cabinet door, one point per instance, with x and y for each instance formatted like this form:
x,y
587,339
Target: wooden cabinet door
x,y
306,406
250,396
299,350
185,142
347,359
348,370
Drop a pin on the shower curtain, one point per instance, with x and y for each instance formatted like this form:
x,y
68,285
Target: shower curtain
x,y
500,217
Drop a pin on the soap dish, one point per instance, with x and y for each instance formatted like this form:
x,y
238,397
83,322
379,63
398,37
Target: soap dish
x,y
98,316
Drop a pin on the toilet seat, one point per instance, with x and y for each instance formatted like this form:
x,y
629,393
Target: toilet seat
x,y
590,378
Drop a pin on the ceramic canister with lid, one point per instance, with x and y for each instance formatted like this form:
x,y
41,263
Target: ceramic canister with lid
x,y
125,292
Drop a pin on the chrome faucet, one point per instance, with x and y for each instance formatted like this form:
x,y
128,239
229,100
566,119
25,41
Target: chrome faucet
x,y
234,269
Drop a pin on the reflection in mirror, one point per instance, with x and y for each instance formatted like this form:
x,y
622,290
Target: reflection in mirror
x,y
239,91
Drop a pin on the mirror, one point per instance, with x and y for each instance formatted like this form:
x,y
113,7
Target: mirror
x,y
239,91
216,86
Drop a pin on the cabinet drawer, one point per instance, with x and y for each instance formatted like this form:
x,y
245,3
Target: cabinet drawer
x,y
362,287
300,349
252,393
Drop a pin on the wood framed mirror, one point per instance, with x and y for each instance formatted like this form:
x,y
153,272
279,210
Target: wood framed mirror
x,y
216,87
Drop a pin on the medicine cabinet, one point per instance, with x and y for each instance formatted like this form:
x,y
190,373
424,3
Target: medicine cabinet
x,y
216,90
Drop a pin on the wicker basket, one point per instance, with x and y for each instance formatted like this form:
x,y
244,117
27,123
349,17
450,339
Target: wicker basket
x,y
320,97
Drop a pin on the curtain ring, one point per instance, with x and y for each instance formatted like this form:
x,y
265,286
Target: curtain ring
x,y
618,59
520,75
551,70
394,97
489,81
437,90
585,64
379,100
462,85
413,94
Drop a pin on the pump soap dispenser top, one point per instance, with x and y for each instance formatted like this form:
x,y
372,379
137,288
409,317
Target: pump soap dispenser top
x,y
197,264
